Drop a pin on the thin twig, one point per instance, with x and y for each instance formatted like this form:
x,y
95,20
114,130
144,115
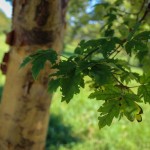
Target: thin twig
x,y
116,49
90,53
118,81
138,13
63,56
136,86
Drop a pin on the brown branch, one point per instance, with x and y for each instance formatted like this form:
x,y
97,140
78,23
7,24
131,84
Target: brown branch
x,y
142,6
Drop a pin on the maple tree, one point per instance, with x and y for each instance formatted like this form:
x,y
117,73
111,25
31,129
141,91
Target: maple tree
x,y
108,76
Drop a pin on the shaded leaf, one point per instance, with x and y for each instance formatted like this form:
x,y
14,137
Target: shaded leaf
x,y
144,92
101,74
109,94
53,85
135,28
143,36
108,111
64,68
71,86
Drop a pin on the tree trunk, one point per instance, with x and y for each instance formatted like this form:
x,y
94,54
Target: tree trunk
x,y
24,112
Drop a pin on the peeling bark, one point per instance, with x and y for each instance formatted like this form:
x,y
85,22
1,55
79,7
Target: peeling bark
x,y
24,112
10,39
42,13
3,65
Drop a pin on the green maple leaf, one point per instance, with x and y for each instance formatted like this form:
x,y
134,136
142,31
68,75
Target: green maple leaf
x,y
38,60
106,94
129,107
26,61
144,92
53,85
101,74
71,86
108,111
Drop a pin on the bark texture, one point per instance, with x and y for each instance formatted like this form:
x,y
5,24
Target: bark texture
x,y
24,111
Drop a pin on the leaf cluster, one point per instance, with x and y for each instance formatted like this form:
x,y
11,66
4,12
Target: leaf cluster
x,y
109,77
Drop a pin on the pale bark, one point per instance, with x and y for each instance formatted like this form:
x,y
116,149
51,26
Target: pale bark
x,y
24,112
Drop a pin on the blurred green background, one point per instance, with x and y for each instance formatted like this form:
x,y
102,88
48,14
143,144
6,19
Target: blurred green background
x,y
74,126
